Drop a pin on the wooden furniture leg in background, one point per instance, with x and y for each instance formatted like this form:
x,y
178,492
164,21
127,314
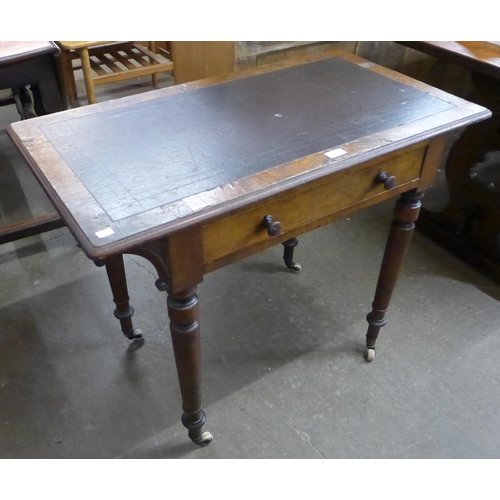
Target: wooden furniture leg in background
x,y
154,76
87,74
118,282
405,214
65,65
185,331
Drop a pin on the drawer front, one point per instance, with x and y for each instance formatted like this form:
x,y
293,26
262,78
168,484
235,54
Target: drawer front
x,y
326,196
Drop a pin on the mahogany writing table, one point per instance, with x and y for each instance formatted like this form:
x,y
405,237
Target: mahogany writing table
x,y
199,175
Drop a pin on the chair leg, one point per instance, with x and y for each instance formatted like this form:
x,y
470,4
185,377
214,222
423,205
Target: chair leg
x,y
70,72
87,75
154,76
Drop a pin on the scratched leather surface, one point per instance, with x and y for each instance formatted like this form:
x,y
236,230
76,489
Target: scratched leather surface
x,y
150,154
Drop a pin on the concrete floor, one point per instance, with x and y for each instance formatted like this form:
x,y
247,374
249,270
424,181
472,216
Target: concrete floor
x,y
282,353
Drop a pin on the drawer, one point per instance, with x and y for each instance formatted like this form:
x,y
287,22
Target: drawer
x,y
315,201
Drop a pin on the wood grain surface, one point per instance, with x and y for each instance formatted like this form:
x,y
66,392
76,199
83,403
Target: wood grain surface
x,y
483,57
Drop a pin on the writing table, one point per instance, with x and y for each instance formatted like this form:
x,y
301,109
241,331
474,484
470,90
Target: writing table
x,y
196,176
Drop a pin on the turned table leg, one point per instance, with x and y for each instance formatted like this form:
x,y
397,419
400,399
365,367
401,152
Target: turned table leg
x,y
405,214
118,282
289,247
185,331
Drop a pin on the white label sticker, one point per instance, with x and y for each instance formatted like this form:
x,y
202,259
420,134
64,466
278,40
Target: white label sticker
x,y
105,232
335,152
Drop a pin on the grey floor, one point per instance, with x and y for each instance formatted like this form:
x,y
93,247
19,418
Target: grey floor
x,y
282,353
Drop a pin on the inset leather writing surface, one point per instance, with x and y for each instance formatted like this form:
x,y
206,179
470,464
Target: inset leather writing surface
x,y
150,154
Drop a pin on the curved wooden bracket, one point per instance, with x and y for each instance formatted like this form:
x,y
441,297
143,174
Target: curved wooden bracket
x,y
158,261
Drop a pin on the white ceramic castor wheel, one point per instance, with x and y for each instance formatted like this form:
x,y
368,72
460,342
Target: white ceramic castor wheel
x,y
205,439
136,334
295,268
370,354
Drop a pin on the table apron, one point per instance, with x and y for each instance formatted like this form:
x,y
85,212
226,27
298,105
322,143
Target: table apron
x,y
312,206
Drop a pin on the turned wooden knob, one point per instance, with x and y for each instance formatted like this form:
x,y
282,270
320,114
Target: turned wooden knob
x,y
389,181
273,227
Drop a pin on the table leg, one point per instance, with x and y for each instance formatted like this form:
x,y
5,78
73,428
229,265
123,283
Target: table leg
x,y
289,247
118,282
185,331
24,104
405,214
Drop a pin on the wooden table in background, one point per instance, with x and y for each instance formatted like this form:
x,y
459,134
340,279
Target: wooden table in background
x,y
197,176
31,64
469,226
